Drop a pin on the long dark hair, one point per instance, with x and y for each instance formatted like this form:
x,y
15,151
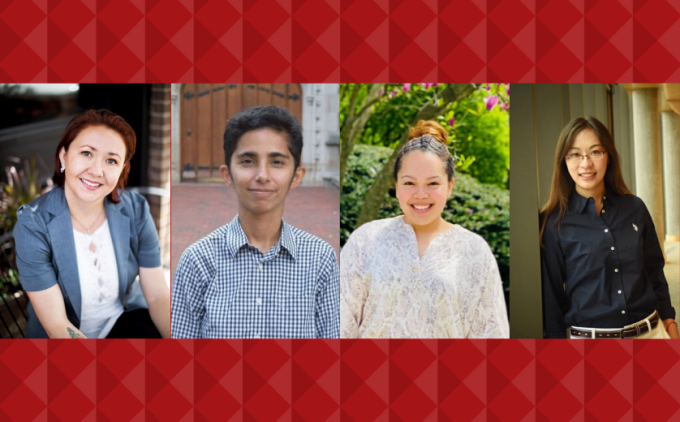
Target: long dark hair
x,y
563,186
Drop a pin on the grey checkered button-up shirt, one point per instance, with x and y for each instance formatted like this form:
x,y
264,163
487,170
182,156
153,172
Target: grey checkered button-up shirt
x,y
225,288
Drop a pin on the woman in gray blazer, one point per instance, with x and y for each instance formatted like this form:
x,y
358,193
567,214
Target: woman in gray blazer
x,y
81,246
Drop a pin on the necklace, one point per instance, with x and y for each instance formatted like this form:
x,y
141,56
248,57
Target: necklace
x,y
93,247
83,225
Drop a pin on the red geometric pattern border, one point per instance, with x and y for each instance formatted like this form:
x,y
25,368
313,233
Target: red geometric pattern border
x,y
350,380
155,41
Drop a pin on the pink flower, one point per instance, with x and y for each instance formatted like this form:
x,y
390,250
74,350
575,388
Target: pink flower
x,y
505,106
394,93
406,87
452,121
488,88
380,93
435,84
491,101
427,86
470,211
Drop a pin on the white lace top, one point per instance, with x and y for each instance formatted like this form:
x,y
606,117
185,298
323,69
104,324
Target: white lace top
x,y
387,291
98,273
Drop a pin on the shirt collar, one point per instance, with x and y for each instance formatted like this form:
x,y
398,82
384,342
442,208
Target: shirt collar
x,y
610,198
287,240
236,238
579,202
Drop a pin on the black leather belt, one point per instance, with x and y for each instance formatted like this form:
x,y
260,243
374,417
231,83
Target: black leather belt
x,y
633,331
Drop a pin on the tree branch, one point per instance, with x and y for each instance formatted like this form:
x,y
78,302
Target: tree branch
x,y
383,181
355,123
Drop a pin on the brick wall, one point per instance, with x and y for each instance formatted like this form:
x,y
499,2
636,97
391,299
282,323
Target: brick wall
x,y
159,164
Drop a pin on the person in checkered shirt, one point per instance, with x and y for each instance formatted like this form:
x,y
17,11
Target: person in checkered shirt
x,y
258,276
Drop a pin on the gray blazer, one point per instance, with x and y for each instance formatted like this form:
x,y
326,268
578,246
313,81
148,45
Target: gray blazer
x,y
46,254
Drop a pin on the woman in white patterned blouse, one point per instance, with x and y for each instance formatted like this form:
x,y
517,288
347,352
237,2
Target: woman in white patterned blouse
x,y
417,275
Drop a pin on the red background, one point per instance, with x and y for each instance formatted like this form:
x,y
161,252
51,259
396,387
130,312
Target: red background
x,y
339,41
351,380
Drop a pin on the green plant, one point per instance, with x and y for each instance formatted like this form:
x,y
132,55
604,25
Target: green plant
x,y
478,124
482,131
22,187
9,282
481,208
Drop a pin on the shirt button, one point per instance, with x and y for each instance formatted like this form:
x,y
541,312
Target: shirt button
x,y
604,197
616,270
603,211
623,312
606,230
620,293
259,267
258,301
612,248
256,336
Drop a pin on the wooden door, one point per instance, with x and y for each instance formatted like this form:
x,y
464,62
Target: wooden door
x,y
204,113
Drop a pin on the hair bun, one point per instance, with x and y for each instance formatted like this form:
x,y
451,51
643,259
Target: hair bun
x,y
429,127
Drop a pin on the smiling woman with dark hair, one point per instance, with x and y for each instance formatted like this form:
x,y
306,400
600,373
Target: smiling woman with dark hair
x,y
601,262
417,275
81,246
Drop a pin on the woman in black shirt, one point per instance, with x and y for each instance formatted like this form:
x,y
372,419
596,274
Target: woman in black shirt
x,y
601,262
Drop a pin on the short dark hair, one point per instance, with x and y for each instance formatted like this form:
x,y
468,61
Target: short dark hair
x,y
103,118
263,117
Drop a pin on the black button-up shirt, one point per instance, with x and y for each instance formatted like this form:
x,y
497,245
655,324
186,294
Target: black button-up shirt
x,y
602,271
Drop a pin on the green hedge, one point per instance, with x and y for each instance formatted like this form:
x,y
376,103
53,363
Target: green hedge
x,y
483,209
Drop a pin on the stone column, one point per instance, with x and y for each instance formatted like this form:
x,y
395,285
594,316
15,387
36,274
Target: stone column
x,y
647,146
670,125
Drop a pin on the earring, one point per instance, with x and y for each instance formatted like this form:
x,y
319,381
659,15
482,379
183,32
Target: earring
x,y
62,169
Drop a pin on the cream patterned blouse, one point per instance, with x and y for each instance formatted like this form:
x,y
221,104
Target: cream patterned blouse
x,y
387,291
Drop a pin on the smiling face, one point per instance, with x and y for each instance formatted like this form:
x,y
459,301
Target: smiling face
x,y
262,171
588,175
93,164
422,187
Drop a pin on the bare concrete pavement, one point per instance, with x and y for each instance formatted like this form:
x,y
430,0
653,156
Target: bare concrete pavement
x,y
199,209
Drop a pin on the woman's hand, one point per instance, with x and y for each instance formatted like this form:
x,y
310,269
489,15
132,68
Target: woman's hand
x,y
157,295
49,307
671,328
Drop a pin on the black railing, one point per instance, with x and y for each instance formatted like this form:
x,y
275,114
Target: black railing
x,y
13,298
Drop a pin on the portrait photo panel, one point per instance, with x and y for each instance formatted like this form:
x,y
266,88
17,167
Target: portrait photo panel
x,y
424,210
255,209
596,219
85,210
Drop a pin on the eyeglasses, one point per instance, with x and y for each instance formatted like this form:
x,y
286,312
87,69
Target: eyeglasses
x,y
578,158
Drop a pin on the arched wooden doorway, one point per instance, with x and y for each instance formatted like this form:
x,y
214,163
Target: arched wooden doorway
x,y
204,112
